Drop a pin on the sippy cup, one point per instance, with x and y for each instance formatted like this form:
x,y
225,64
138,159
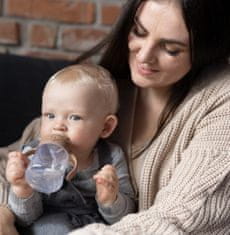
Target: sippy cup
x,y
48,165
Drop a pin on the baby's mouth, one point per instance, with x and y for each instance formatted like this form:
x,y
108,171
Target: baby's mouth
x,y
64,142
57,139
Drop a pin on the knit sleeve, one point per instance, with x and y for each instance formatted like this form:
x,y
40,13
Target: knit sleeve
x,y
4,186
26,210
196,199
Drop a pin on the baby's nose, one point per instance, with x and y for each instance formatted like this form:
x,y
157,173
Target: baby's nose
x,y
60,126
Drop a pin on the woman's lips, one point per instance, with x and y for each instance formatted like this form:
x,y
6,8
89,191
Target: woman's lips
x,y
145,71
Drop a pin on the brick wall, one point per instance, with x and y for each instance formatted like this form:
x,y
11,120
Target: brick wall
x,y
54,28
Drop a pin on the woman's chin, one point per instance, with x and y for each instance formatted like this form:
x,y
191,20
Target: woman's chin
x,y
142,82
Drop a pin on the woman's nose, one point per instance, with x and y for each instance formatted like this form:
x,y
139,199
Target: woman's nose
x,y
147,53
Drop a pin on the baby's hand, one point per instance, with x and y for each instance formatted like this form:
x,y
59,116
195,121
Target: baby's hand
x,y
15,174
106,185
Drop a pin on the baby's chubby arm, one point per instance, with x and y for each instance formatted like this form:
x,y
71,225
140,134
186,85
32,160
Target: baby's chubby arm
x,y
107,185
115,195
15,174
23,200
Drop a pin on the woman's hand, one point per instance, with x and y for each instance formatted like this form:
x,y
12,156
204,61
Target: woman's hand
x,y
15,174
7,222
106,185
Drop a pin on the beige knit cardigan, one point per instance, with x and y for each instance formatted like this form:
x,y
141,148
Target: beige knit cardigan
x,y
185,176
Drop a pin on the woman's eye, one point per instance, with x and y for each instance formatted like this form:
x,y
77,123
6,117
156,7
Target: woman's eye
x,y
75,117
138,31
171,51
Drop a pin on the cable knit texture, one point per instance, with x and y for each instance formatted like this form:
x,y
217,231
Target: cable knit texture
x,y
4,187
185,178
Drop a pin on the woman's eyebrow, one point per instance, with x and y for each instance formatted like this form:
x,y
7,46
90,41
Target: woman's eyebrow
x,y
173,41
163,40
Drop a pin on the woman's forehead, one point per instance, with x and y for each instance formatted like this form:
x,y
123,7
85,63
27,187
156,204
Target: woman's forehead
x,y
167,4
163,17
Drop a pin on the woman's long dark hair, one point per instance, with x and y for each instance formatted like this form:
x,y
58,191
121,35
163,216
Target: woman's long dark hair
x,y
208,24
115,55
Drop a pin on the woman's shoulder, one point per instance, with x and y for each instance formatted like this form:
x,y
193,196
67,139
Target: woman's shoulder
x,y
212,83
214,77
211,91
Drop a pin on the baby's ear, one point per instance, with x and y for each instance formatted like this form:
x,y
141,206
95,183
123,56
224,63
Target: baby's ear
x,y
109,126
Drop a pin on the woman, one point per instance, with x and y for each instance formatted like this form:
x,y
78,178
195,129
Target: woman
x,y
177,130
174,118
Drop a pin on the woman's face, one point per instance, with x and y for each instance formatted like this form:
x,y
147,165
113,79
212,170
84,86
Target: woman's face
x,y
159,45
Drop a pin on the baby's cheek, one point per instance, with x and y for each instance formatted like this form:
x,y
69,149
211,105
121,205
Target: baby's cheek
x,y
44,131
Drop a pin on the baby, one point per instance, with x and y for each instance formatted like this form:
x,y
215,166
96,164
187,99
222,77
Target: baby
x,y
79,103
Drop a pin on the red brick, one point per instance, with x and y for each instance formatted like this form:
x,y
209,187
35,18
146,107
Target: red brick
x,y
56,55
60,10
9,32
81,39
109,14
49,54
42,35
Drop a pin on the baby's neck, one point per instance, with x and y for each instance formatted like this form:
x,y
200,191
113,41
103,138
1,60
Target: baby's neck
x,y
79,164
84,162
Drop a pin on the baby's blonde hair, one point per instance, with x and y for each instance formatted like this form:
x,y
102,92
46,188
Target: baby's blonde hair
x,y
90,74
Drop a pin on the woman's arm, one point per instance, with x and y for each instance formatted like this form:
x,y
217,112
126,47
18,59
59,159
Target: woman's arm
x,y
7,218
7,222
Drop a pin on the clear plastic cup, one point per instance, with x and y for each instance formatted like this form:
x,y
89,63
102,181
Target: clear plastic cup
x,y
47,167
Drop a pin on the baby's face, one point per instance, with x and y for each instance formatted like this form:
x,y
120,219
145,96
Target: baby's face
x,y
74,111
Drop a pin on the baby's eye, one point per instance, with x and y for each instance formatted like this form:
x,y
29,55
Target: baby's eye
x,y
49,115
75,117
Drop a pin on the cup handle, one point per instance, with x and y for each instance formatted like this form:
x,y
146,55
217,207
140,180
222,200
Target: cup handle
x,y
72,173
29,152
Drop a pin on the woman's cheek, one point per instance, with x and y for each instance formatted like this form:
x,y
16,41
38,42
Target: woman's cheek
x,y
130,37
132,42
